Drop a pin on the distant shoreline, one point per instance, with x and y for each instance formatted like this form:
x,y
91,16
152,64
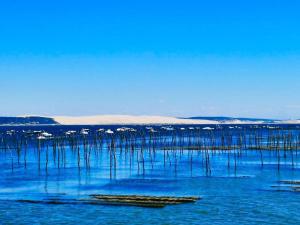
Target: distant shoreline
x,y
135,120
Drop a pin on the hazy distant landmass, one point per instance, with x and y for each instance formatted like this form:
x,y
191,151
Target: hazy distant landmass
x,y
27,120
226,119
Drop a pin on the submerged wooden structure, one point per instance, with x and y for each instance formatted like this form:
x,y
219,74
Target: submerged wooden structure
x,y
144,201
125,200
287,185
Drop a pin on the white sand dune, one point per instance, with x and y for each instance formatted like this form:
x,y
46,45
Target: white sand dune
x,y
288,122
129,119
126,119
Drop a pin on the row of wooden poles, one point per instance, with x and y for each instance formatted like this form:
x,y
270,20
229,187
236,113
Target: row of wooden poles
x,y
140,148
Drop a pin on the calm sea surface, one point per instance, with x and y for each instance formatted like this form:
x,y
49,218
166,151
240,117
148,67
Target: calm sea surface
x,y
243,192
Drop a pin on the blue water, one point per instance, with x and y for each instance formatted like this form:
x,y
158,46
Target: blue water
x,y
246,194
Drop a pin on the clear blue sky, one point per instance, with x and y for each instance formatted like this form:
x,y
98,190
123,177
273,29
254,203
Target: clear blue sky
x,y
184,58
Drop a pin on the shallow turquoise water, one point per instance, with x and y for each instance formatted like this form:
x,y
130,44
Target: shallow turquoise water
x,y
248,195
